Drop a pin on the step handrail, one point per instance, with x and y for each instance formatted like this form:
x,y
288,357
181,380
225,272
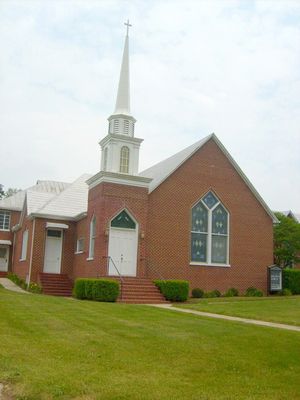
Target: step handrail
x,y
109,258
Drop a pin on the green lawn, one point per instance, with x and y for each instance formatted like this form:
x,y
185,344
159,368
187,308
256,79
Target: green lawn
x,y
54,348
284,310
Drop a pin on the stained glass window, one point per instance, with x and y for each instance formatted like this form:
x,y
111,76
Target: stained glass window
x,y
199,247
123,220
219,220
209,233
92,237
210,200
199,218
219,249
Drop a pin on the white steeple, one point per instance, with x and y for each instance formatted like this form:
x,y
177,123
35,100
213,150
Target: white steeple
x,y
120,149
123,97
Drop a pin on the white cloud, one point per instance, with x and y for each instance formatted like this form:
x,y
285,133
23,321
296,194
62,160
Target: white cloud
x,y
197,67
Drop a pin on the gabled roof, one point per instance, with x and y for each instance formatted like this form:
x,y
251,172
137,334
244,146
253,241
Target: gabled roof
x,y
161,171
16,201
70,203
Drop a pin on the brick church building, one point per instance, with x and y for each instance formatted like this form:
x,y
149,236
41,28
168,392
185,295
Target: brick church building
x,y
193,216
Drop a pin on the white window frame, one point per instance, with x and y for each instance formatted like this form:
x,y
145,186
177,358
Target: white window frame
x,y
210,234
92,238
24,245
6,214
78,250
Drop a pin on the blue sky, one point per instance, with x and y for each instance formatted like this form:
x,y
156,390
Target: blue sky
x,y
229,67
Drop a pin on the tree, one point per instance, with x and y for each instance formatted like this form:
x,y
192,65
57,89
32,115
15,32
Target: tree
x,y
286,241
2,193
11,191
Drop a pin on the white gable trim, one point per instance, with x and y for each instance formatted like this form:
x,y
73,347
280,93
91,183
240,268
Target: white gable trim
x,y
56,225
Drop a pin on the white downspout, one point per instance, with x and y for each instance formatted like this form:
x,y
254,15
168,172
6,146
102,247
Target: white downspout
x,y
31,254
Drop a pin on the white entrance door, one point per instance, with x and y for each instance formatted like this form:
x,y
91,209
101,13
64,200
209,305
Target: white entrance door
x,y
53,251
123,251
4,254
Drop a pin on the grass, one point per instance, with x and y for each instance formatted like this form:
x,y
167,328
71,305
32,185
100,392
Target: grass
x,y
55,348
284,310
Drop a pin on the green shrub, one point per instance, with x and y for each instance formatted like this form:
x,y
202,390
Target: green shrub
x,y
253,292
232,292
34,288
18,281
89,283
291,280
105,290
286,292
212,294
173,290
96,289
79,289
197,293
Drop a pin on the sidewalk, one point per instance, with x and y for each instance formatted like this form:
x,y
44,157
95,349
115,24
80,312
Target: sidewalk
x,y
229,318
9,285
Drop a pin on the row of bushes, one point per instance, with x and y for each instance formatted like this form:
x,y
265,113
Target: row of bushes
x,y
291,280
96,289
232,292
32,287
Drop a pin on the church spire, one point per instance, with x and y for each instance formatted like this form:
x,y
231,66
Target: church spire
x,y
123,96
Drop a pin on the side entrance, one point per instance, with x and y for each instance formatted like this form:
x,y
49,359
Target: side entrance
x,y
53,249
4,257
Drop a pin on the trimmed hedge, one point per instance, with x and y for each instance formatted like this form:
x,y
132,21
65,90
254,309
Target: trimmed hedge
x,y
197,293
96,289
291,280
232,292
173,290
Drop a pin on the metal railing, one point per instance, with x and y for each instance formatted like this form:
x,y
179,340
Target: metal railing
x,y
109,258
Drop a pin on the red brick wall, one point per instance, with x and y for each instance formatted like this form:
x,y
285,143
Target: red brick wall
x,y
168,233
105,201
21,268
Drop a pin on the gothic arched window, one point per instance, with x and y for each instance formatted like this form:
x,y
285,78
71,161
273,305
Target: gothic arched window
x,y
209,234
92,237
124,160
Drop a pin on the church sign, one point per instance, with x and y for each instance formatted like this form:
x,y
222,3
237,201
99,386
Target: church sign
x,y
275,278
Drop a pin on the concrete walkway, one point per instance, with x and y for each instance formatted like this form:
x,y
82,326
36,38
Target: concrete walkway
x,y
9,285
229,318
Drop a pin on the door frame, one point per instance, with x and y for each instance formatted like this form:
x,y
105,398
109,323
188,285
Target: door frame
x,y
8,251
61,247
125,229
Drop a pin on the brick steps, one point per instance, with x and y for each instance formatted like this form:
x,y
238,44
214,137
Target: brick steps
x,y
56,284
140,291
3,274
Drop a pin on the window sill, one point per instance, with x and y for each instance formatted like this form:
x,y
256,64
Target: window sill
x,y
210,265
22,259
5,230
78,252
90,259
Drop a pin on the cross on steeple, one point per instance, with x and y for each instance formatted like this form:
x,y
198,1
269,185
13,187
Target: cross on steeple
x,y
127,25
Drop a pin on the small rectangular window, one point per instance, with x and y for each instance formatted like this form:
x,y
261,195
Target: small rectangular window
x,y
80,245
4,220
53,233
24,245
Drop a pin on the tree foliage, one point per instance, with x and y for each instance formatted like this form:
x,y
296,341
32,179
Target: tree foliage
x,y
9,192
286,241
